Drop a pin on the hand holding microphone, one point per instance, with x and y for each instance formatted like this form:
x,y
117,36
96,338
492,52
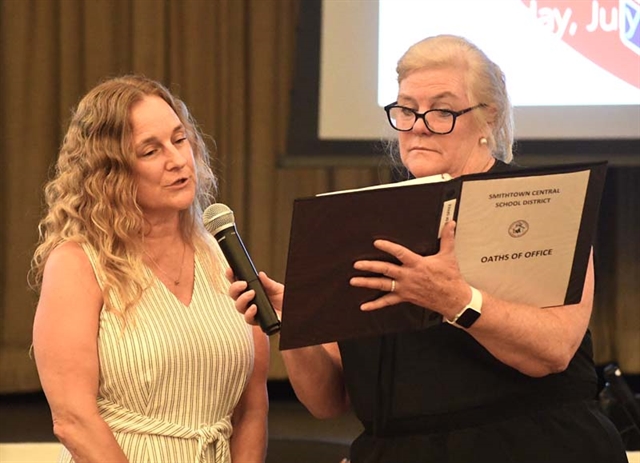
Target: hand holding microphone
x,y
244,299
219,221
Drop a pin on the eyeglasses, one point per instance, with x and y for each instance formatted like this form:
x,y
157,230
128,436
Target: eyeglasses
x,y
438,121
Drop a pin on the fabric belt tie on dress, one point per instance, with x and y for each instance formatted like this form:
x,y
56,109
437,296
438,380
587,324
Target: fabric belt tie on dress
x,y
123,420
218,435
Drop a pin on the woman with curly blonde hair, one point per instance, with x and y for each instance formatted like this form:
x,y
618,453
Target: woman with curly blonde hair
x,y
140,352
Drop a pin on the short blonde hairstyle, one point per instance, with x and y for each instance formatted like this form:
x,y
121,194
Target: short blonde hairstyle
x,y
485,82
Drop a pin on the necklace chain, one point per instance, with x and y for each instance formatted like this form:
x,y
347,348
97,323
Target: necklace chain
x,y
176,281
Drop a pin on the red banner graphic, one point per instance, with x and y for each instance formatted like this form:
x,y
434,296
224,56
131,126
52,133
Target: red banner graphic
x,y
607,32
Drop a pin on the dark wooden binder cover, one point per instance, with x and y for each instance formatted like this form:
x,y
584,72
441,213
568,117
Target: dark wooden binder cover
x,y
329,233
319,304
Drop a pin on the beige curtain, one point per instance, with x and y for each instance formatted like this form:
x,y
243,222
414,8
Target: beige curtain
x,y
231,61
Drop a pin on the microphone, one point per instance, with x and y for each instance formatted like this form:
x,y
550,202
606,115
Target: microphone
x,y
219,221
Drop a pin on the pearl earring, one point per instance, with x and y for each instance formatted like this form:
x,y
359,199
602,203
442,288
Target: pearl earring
x,y
483,141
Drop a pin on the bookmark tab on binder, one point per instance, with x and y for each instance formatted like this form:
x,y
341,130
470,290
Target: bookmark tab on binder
x,y
448,209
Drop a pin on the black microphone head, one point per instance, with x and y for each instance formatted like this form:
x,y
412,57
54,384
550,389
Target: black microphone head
x,y
217,217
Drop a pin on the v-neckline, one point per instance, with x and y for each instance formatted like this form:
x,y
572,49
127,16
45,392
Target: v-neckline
x,y
168,290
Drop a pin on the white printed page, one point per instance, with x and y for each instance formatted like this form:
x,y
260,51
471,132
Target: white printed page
x,y
413,181
516,237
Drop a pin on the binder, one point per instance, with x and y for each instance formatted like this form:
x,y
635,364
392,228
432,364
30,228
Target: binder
x,y
524,235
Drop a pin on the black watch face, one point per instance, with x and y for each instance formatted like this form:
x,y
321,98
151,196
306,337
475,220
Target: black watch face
x,y
468,318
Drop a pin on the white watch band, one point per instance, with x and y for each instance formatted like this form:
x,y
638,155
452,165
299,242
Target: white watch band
x,y
474,305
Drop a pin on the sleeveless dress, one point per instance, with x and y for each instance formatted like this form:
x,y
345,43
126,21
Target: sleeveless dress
x,y
170,378
438,396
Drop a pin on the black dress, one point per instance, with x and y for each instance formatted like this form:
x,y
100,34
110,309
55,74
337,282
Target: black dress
x,y
439,396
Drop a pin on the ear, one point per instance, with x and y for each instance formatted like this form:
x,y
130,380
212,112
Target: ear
x,y
490,113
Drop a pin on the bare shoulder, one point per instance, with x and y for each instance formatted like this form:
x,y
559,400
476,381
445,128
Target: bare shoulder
x,y
68,274
65,330
69,254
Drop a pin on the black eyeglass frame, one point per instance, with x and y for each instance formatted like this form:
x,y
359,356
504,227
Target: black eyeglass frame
x,y
423,116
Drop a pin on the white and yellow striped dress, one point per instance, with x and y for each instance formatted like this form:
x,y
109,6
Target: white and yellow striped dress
x,y
170,380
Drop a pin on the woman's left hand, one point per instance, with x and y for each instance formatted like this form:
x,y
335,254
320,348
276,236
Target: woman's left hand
x,y
433,282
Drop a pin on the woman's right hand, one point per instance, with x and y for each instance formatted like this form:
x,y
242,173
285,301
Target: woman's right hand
x,y
243,298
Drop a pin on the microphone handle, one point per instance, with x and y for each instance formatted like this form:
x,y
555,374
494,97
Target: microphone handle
x,y
236,254
267,317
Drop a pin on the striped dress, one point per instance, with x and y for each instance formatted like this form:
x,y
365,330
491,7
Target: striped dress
x,y
170,380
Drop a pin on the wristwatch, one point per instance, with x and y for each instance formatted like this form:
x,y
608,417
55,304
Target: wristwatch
x,y
470,313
